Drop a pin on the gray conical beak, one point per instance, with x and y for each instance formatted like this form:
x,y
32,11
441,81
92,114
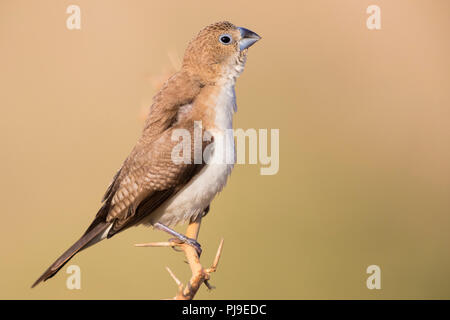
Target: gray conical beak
x,y
248,38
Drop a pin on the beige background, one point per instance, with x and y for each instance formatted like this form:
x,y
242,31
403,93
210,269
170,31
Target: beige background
x,y
364,147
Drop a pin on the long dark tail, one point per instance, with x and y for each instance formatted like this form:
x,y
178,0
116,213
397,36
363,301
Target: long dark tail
x,y
85,241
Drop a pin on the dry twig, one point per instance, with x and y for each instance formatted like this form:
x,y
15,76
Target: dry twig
x,y
199,274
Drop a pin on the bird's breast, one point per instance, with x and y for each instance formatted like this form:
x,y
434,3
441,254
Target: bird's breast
x,y
198,193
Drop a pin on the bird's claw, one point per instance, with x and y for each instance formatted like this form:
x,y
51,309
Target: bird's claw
x,y
191,242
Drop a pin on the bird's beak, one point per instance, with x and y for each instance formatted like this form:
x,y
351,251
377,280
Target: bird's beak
x,y
248,38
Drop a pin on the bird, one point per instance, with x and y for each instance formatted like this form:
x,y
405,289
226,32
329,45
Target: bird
x,y
152,189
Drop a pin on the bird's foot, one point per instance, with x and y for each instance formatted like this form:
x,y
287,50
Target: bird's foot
x,y
191,242
174,242
181,237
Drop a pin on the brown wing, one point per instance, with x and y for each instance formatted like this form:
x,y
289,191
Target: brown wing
x,y
147,179
149,176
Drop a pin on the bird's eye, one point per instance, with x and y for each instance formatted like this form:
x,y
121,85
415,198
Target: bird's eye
x,y
225,39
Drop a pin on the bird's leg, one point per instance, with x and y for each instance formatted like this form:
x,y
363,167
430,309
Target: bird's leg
x,y
181,237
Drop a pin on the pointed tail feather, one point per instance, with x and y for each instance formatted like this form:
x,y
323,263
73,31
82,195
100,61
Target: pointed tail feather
x,y
85,241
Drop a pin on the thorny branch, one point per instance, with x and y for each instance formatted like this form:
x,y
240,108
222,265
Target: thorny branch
x,y
200,275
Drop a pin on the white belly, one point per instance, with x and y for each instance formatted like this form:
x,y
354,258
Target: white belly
x,y
190,201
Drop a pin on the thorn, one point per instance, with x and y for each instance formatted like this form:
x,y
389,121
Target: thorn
x,y
208,285
217,258
177,281
157,244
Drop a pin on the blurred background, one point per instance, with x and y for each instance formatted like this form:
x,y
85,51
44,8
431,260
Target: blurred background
x,y
364,147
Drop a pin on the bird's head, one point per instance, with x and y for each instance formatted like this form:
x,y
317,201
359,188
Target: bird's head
x,y
218,52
